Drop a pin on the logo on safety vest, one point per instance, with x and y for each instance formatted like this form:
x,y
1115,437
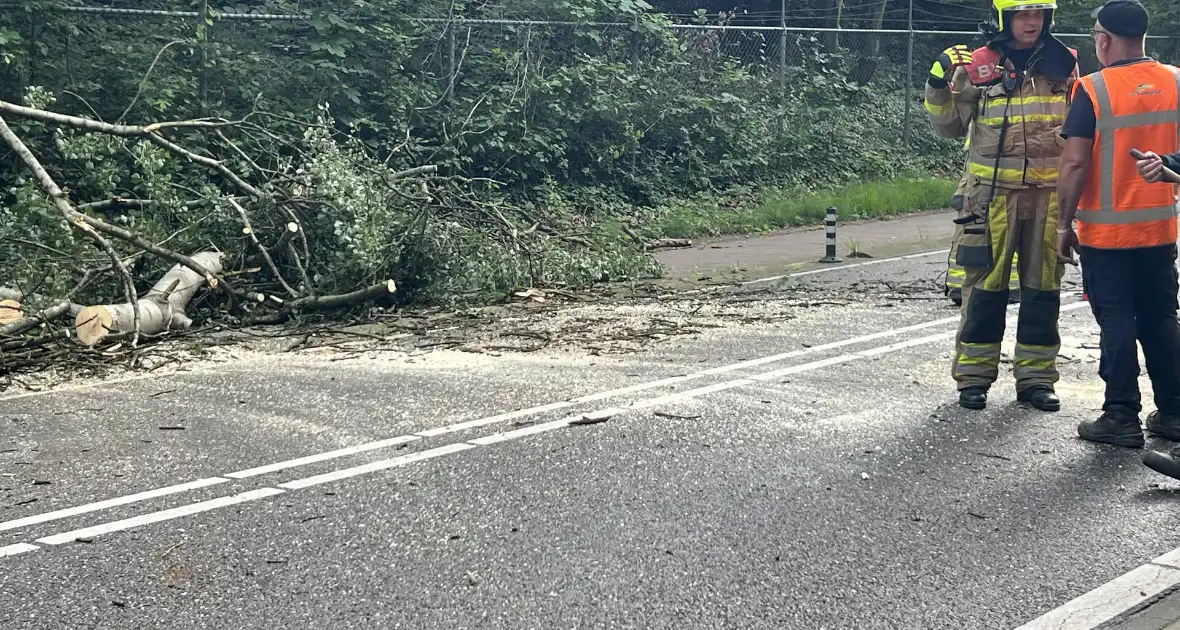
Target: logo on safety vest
x,y
1146,89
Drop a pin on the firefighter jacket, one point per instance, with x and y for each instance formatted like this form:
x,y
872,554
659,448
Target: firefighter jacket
x,y
1011,120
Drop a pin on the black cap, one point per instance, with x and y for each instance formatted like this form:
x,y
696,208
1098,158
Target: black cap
x,y
1125,18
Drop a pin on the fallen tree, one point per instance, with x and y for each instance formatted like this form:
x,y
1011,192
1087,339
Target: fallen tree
x,y
290,219
160,310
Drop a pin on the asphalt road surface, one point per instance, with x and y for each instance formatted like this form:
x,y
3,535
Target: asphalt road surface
x,y
802,466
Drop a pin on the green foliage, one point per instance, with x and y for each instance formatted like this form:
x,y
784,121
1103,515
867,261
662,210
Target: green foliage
x,y
564,130
783,209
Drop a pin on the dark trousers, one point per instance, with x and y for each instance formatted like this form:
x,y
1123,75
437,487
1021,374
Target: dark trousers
x,y
1133,295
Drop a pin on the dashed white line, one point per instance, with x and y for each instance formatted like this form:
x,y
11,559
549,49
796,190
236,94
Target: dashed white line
x,y
156,517
110,503
17,549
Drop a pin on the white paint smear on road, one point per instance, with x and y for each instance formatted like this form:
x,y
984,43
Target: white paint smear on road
x,y
156,517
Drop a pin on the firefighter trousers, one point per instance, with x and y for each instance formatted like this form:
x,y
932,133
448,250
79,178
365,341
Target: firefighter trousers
x,y
1020,221
956,274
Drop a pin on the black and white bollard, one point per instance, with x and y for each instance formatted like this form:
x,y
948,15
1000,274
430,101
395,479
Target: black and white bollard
x,y
830,238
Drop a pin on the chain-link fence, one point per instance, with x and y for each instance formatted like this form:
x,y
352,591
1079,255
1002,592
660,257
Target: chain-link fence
x,y
203,57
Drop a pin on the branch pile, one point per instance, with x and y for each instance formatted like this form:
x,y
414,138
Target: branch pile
x,y
256,222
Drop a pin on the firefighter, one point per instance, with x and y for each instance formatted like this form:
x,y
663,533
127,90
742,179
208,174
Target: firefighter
x,y
1009,99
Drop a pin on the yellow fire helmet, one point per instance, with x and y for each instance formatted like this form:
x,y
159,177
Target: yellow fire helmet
x,y
999,7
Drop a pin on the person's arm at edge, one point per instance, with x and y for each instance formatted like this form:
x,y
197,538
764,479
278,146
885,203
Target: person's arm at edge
x,y
1074,167
1071,181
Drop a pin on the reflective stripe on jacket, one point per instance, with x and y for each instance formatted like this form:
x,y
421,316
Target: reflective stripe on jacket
x,y
1035,113
1136,106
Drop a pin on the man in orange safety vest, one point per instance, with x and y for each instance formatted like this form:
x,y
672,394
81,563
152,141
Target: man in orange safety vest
x,y
1126,225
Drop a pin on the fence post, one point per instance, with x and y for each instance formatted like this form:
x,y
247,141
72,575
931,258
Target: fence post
x,y
909,80
782,47
203,44
451,70
635,43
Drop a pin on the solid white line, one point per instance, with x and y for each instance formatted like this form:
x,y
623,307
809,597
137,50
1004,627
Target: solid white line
x,y
806,367
811,272
110,503
496,438
311,459
19,548
1108,601
1112,589
156,517
496,419
503,417
830,346
902,345
384,464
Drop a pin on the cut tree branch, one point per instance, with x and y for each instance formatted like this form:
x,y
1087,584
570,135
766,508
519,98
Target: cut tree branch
x,y
32,321
73,217
150,133
249,230
344,300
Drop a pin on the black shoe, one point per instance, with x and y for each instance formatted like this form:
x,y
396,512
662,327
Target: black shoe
x,y
1040,397
1164,462
1113,428
973,398
1164,425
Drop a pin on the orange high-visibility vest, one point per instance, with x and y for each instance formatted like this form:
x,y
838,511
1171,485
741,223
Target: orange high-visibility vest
x,y
1137,106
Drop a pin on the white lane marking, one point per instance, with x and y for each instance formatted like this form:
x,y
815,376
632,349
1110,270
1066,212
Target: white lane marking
x,y
902,345
156,517
612,393
384,464
806,367
110,503
503,417
811,272
774,358
19,548
1108,601
473,424
497,438
311,459
639,387
1170,559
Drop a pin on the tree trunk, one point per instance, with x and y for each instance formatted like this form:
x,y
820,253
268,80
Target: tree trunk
x,y
161,309
866,67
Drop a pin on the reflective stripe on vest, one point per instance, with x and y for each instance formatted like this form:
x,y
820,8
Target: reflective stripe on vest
x,y
1136,106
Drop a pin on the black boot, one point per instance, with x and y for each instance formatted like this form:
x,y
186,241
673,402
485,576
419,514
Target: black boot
x,y
1164,462
1040,397
973,398
1117,428
1165,425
